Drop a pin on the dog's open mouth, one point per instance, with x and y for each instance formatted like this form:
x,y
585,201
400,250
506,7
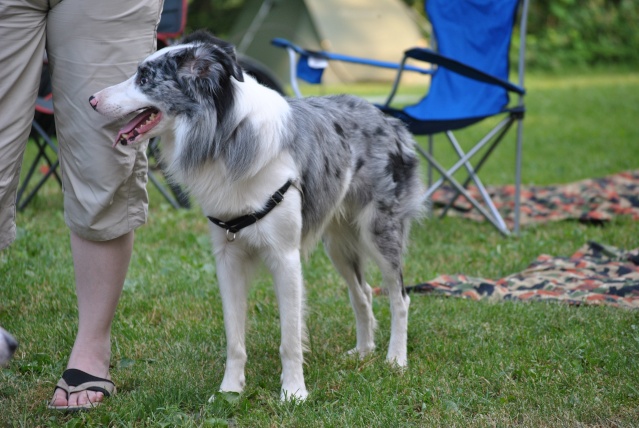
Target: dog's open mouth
x,y
134,131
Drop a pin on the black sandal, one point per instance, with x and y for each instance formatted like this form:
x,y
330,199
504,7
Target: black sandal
x,y
74,380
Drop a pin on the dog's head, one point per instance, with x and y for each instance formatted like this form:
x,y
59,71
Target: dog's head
x,y
177,80
8,346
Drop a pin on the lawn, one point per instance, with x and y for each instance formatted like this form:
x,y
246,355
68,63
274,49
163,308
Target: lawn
x,y
470,363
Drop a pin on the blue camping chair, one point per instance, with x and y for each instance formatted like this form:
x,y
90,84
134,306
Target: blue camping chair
x,y
470,82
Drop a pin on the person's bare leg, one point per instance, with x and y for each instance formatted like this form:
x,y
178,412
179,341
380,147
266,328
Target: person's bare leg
x,y
100,270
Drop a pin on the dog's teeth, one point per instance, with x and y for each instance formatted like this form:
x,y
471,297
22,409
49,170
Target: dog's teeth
x,y
150,119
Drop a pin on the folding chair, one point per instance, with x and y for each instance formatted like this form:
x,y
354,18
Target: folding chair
x,y
469,84
42,132
172,22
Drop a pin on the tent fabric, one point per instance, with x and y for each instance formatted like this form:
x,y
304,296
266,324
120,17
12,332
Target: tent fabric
x,y
378,29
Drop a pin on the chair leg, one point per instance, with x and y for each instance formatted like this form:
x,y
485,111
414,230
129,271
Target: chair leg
x,y
181,199
430,168
42,140
472,175
23,187
464,159
53,168
459,188
520,130
293,72
22,204
495,218
430,172
477,168
162,190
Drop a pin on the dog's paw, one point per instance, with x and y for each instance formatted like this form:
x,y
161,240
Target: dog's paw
x,y
399,361
297,396
361,352
228,396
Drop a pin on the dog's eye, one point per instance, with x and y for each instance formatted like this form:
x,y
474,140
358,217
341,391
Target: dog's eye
x,y
143,76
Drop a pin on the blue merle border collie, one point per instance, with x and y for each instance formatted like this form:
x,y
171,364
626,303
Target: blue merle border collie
x,y
274,175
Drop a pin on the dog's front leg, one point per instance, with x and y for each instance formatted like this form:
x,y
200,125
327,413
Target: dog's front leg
x,y
234,268
287,275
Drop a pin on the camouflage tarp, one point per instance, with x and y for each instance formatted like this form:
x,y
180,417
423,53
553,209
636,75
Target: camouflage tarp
x,y
596,274
592,200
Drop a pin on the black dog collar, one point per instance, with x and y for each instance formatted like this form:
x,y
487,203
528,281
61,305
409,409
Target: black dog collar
x,y
239,223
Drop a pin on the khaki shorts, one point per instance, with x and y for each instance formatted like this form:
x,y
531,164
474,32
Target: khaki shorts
x,y
90,44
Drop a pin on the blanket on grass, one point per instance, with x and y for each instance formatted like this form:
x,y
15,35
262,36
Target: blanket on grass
x,y
596,275
592,200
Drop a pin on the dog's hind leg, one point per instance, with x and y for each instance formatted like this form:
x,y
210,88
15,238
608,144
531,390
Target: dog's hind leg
x,y
387,240
234,271
342,245
399,302
286,268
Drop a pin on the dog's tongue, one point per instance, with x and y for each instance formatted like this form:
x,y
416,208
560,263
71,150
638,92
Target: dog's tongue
x,y
132,124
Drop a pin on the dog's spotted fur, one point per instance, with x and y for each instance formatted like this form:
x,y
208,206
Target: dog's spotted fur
x,y
8,345
233,142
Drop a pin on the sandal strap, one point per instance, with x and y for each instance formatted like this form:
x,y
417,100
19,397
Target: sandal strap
x,y
74,380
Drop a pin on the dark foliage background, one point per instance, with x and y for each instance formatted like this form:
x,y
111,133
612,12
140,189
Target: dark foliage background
x,y
561,33
217,16
583,33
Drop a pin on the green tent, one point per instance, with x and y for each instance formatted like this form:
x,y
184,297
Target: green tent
x,y
377,29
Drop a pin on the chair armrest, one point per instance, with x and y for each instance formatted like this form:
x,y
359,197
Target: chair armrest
x,y
433,57
283,43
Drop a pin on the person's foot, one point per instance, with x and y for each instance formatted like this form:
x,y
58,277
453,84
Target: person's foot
x,y
78,384
90,365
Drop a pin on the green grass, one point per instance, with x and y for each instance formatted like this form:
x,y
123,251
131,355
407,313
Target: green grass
x,y
470,363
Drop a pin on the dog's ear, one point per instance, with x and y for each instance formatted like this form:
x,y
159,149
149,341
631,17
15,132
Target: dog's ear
x,y
207,59
229,61
202,64
201,36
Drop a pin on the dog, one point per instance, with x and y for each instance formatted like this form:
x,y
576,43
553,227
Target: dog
x,y
274,176
8,346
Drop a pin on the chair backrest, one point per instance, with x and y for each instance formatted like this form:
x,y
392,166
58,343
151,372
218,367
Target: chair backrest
x,y
477,33
173,19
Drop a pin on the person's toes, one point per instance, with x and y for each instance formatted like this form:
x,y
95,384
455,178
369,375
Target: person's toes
x,y
95,397
83,398
76,399
59,398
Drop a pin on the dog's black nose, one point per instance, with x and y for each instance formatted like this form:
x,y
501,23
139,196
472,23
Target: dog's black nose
x,y
13,345
94,102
